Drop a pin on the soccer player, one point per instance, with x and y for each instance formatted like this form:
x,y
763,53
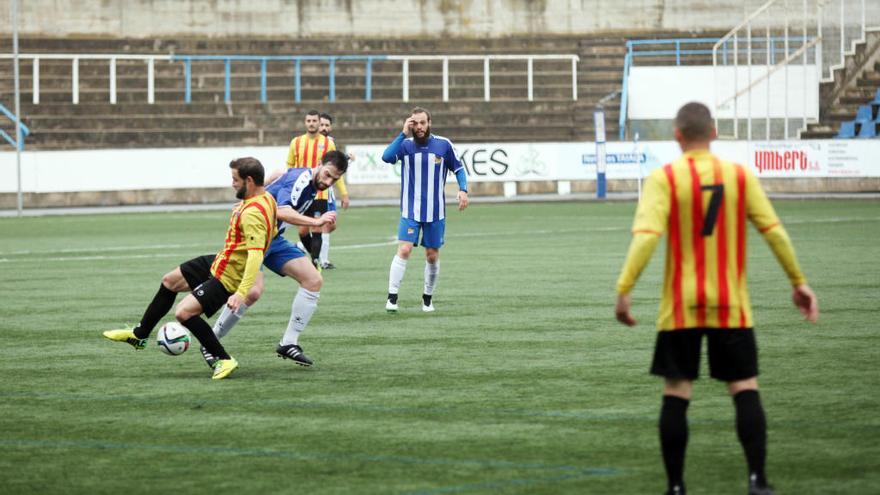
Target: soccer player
x,y
306,151
703,202
326,127
234,269
294,191
427,159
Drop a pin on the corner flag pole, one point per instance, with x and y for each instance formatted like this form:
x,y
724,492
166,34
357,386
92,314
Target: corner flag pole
x,y
18,140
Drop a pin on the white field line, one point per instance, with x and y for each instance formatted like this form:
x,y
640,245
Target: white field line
x,y
96,256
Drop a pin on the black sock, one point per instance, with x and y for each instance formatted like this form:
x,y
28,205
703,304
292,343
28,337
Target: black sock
x,y
426,299
392,298
306,240
159,307
203,332
674,438
751,428
317,242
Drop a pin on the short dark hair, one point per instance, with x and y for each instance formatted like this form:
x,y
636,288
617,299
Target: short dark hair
x,y
694,121
421,110
337,159
327,116
249,167
312,112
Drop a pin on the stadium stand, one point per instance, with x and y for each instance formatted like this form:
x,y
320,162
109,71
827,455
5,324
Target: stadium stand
x,y
853,97
57,123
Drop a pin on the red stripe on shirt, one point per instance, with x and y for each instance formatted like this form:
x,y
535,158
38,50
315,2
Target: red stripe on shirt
x,y
224,260
723,295
313,158
697,241
675,248
268,225
740,238
765,229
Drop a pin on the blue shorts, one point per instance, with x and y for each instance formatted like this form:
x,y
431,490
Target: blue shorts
x,y
280,252
432,232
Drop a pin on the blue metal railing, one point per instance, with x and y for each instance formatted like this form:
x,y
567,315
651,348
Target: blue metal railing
x,y
264,59
24,129
679,52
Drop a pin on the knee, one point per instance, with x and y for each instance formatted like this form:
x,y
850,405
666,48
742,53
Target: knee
x,y
403,252
329,228
432,256
313,283
182,314
172,282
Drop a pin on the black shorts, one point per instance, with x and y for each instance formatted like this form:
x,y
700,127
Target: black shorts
x,y
317,208
212,295
733,353
197,270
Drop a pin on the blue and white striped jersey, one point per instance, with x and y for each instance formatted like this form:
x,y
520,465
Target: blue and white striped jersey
x,y
295,189
423,175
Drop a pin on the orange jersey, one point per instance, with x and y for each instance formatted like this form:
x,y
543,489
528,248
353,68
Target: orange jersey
x,y
702,203
252,227
306,152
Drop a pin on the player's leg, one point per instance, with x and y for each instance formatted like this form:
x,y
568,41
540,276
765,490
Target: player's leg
x,y
229,318
677,360
305,237
432,239
304,305
206,299
407,236
733,358
173,282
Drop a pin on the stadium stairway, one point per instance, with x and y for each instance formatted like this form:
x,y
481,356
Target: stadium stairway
x,y
57,123
853,86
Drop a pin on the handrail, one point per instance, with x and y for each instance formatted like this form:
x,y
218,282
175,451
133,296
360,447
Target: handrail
x,y
24,129
529,58
263,59
745,21
75,58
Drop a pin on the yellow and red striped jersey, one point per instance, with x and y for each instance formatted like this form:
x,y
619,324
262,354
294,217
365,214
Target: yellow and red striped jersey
x,y
703,203
307,152
252,227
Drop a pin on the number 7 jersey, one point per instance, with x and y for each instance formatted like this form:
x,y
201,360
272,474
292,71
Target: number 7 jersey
x,y
702,203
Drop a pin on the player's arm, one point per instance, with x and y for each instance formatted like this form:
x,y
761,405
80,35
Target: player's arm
x,y
394,150
460,172
762,215
274,176
256,230
652,216
293,217
343,192
291,153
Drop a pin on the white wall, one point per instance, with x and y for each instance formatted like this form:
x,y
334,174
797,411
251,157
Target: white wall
x,y
658,92
143,169
371,18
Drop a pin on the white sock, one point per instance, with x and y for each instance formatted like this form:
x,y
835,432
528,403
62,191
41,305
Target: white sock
x,y
304,305
398,268
324,257
227,320
432,271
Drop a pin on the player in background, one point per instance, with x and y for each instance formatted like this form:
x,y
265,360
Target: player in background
x,y
703,203
231,275
306,151
294,191
426,159
325,128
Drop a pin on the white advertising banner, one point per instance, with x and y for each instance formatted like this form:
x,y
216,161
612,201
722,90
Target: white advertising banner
x,y
140,169
791,91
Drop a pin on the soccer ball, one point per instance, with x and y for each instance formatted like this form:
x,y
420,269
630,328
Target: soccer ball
x,y
173,339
